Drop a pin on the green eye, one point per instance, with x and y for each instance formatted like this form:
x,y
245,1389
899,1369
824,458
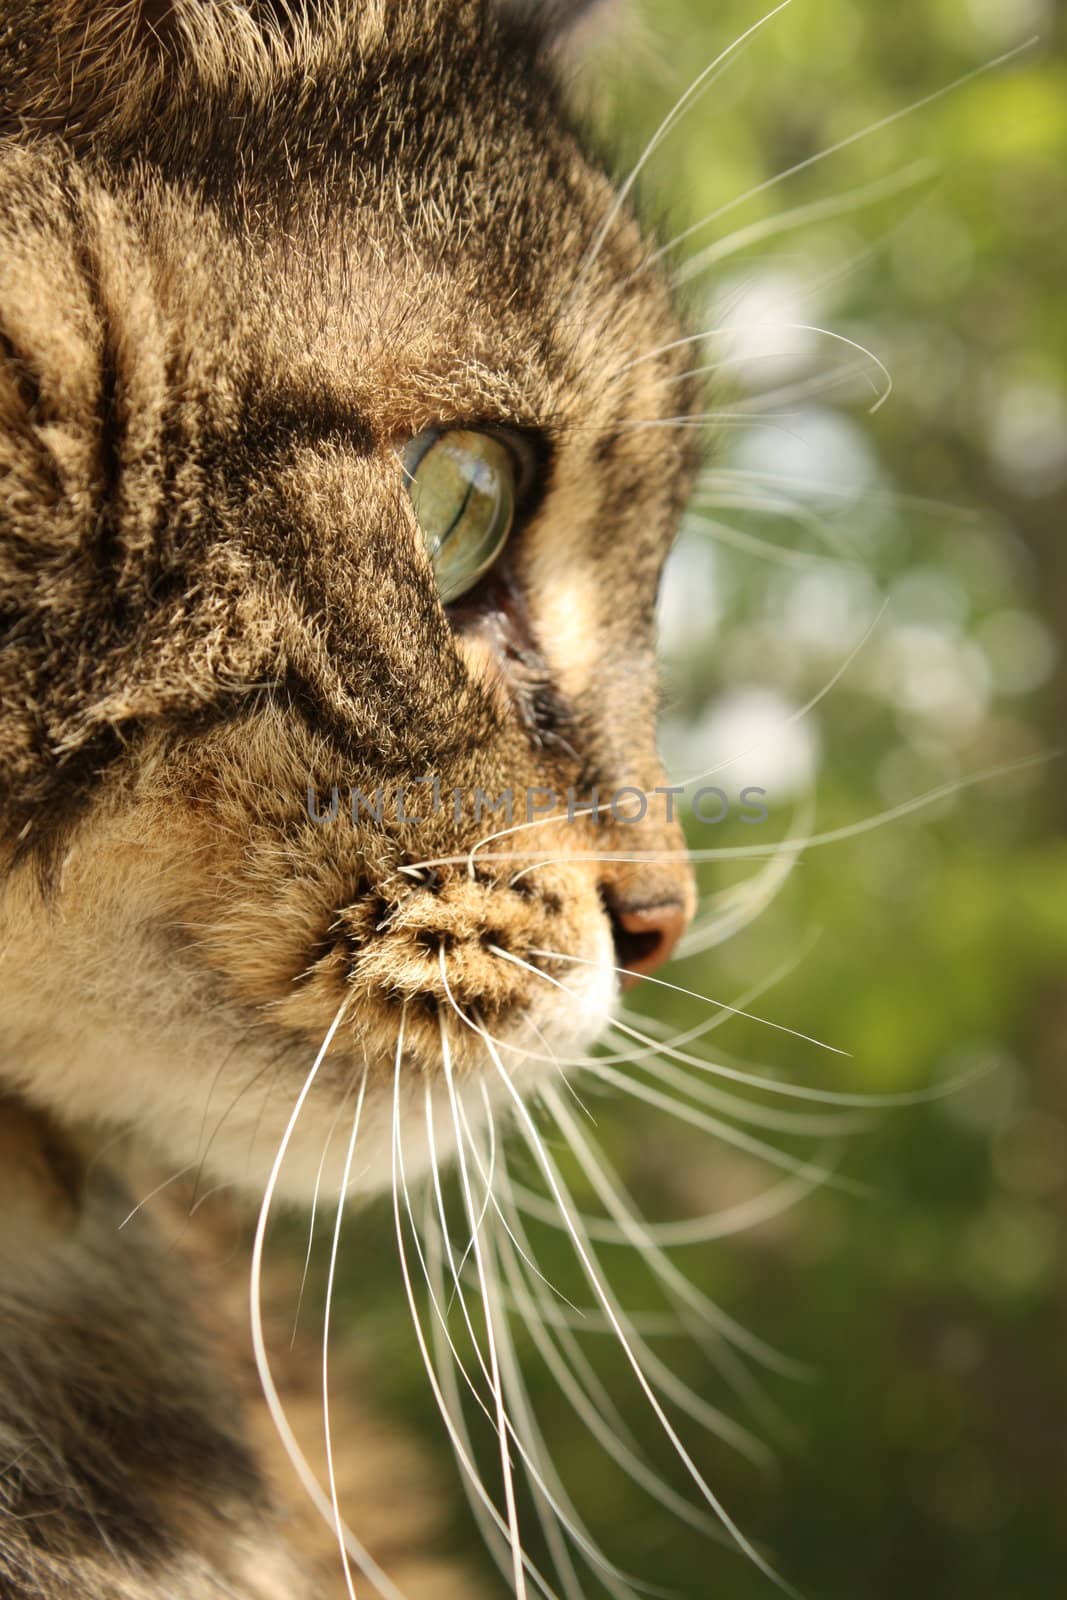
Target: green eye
x,y
463,489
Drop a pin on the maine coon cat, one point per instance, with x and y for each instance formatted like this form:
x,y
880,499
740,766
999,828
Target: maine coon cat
x,y
331,375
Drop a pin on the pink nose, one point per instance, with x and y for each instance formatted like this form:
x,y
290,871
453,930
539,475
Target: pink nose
x,y
645,936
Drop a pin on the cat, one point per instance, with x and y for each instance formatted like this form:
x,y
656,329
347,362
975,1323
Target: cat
x,y
333,381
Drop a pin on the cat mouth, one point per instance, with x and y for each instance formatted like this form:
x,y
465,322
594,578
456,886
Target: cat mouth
x,y
476,955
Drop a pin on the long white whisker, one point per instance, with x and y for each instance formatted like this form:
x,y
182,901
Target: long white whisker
x,y
746,901
555,1499
828,1097
590,1401
724,533
724,1224
798,216
675,1282
742,476
828,1125
522,1443
843,144
492,1198
802,711
554,1524
743,852
737,1011
314,1212
327,1429
448,1360
718,1129
719,491
655,1047
518,1570
144,1200
583,1254
460,1446
487,1180
712,1329
281,1422
681,105
726,331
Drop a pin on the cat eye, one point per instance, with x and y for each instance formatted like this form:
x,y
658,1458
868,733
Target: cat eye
x,y
464,486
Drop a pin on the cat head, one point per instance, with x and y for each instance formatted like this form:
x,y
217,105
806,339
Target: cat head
x,y
338,401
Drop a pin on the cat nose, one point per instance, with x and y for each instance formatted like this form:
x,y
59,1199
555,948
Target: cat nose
x,y
645,935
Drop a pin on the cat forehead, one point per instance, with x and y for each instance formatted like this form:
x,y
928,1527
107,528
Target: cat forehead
x,y
99,73
395,181
443,110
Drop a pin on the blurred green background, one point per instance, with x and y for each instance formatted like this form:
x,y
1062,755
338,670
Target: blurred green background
x,y
927,1452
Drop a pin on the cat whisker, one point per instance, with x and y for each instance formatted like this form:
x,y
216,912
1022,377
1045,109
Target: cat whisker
x,y
665,1325
521,827
666,1381
685,100
743,903
282,1426
449,1406
202,1200
518,1571
525,1444
660,983
720,491
825,210
315,1206
586,1259
819,385
739,1109
743,476
740,417
830,1097
166,1183
676,1284
725,1132
725,1223
845,143
663,1033
620,1585
731,331
254,1078
549,1512
791,844
491,1199
487,1179
764,549
591,1403
489,1521
679,1109
850,830
331,1277
560,1063
836,1125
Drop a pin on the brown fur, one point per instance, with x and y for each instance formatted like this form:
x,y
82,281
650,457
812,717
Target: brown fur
x,y
246,253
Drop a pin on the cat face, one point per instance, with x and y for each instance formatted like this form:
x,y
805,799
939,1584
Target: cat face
x,y
239,277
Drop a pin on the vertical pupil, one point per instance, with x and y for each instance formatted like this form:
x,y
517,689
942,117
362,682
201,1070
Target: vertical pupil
x,y
463,493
